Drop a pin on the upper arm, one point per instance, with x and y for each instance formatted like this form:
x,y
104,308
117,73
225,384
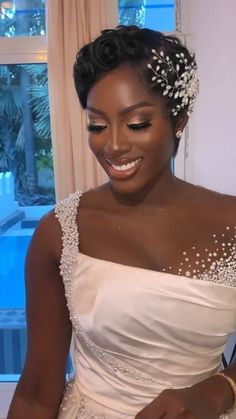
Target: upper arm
x,y
48,323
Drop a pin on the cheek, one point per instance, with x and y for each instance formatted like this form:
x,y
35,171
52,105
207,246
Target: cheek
x,y
160,140
96,143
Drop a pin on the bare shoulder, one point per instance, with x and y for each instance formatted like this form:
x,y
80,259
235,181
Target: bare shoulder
x,y
98,199
48,235
213,203
219,199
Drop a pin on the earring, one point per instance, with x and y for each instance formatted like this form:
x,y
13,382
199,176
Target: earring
x,y
179,134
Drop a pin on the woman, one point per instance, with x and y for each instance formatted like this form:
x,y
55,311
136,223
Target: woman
x,y
148,261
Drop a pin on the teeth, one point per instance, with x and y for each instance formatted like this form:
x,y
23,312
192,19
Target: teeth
x,y
126,166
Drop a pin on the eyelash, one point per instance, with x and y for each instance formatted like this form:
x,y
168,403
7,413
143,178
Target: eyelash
x,y
141,125
95,128
134,127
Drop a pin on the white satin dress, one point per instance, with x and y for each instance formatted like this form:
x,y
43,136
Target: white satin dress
x,y
156,331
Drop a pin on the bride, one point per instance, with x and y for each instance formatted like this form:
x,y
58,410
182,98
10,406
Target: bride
x,y
141,270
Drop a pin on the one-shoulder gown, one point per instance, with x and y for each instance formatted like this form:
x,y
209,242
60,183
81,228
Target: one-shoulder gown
x,y
136,331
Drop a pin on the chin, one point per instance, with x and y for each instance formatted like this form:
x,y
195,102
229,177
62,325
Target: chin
x,y
128,187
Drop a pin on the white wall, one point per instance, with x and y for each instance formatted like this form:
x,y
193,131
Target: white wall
x,y
211,159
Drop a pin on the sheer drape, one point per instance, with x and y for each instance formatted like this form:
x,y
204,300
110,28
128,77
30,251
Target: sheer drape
x,y
71,24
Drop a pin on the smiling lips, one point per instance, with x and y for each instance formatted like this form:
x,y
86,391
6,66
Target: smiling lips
x,y
123,170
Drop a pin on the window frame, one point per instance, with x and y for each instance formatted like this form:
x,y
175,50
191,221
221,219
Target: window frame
x,y
19,50
23,50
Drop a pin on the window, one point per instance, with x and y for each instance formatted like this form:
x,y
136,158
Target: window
x,y
25,137
26,165
153,14
22,18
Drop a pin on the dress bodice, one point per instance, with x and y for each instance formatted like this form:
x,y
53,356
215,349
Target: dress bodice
x,y
136,331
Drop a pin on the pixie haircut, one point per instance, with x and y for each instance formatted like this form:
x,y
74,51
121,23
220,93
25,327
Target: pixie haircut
x,y
129,45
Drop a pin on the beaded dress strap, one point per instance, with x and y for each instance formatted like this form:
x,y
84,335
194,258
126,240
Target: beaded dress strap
x,y
65,212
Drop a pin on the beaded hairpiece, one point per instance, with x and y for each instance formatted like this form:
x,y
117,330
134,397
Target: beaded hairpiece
x,y
179,81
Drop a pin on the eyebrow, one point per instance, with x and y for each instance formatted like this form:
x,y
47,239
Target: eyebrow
x,y
123,111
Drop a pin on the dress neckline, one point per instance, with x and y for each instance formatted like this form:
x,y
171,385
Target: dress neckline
x,y
159,274
220,272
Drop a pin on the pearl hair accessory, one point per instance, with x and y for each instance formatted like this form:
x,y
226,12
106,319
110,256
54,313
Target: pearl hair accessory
x,y
179,134
179,81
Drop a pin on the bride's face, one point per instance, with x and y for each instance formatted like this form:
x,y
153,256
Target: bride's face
x,y
129,130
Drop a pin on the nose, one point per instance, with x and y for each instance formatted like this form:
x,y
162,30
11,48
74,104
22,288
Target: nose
x,y
117,143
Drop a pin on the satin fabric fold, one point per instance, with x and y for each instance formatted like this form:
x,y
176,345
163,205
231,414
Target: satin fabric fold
x,y
137,332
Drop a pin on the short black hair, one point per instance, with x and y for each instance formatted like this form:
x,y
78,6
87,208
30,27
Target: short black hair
x,y
126,45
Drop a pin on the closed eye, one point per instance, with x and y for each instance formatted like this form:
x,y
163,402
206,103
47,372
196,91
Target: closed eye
x,y
141,125
95,128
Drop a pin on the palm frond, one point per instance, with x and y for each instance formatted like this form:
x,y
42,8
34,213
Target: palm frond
x,y
36,70
40,107
10,101
43,128
3,161
20,140
4,72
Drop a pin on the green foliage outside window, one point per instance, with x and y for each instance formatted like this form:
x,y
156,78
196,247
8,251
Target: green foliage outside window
x,y
132,12
22,18
25,139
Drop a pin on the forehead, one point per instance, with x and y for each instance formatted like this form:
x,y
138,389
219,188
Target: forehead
x,y
119,88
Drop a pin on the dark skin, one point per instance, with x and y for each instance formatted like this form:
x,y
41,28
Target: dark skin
x,y
144,221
